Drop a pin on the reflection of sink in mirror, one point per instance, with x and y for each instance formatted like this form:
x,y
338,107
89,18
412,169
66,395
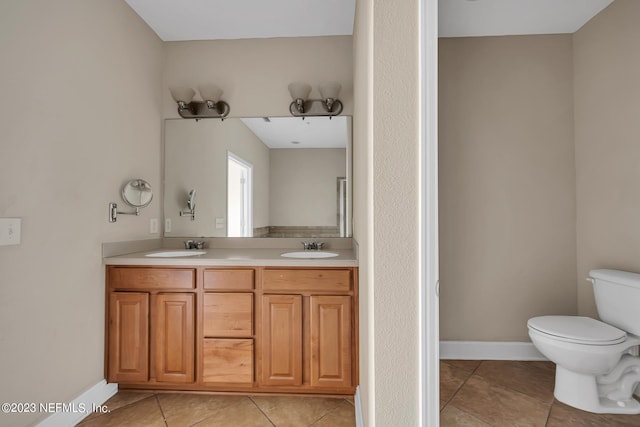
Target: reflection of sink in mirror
x,y
171,254
309,254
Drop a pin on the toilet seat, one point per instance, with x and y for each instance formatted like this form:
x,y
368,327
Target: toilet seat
x,y
578,330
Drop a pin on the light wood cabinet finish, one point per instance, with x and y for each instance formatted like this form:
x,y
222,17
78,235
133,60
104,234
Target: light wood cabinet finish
x,y
314,280
174,334
229,279
128,332
282,340
152,278
290,330
228,361
228,314
330,325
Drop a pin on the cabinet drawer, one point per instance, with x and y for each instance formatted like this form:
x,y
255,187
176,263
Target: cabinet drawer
x,y
332,280
228,361
152,278
228,315
228,279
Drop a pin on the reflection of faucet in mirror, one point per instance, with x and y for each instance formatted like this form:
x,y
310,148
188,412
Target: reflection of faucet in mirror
x,y
191,206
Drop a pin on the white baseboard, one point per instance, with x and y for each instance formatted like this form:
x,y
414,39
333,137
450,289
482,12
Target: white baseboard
x,y
71,413
487,350
358,404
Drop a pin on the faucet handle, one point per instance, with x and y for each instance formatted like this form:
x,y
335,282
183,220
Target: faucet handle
x,y
188,244
319,245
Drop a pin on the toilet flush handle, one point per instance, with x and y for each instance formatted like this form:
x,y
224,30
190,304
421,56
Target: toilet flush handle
x,y
589,279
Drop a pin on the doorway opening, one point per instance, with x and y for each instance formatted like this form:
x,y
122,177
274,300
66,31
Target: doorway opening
x,y
239,197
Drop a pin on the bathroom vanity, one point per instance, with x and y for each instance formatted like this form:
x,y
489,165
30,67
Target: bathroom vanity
x,y
233,321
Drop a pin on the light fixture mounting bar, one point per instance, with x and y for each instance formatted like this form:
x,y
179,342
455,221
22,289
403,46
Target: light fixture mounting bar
x,y
316,107
200,110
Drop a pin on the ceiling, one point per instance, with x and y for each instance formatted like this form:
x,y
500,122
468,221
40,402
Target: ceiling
x,y
312,132
473,18
178,20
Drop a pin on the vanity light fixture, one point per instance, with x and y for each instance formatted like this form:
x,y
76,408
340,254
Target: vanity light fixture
x,y
329,105
210,108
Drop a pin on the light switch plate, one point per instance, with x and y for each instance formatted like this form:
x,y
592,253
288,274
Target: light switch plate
x,y
167,225
10,231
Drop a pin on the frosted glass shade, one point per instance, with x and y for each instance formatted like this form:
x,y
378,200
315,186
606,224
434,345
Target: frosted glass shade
x,y
329,90
299,90
210,92
182,94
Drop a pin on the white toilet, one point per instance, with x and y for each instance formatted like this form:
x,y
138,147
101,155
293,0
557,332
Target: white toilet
x,y
597,363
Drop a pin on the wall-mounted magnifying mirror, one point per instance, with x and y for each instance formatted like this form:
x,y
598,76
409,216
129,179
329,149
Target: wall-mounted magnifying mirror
x,y
136,193
191,206
191,203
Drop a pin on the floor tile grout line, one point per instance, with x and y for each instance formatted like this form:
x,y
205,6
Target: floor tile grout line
x,y
489,380
87,419
260,409
514,390
328,412
460,388
164,418
461,385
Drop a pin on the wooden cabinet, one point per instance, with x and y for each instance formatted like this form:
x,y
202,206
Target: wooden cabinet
x,y
282,340
228,332
128,337
150,331
307,338
331,348
235,329
174,334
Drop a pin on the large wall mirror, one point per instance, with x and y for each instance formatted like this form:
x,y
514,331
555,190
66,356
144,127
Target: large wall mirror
x,y
258,177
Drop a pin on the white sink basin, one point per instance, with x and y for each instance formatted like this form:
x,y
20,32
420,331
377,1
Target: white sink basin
x,y
172,254
309,254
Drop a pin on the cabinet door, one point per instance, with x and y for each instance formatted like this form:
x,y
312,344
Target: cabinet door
x,y
174,335
330,324
281,340
128,337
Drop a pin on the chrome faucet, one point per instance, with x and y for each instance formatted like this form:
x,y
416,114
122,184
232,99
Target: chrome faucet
x,y
193,244
312,246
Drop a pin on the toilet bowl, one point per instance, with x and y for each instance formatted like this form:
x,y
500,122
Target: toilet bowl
x,y
597,367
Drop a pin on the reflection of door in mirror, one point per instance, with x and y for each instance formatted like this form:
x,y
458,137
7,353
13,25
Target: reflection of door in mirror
x,y
239,196
342,206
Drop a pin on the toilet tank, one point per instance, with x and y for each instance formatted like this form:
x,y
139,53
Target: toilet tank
x,y
617,295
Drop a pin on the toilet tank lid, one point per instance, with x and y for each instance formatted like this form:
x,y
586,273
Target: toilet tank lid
x,y
617,276
582,330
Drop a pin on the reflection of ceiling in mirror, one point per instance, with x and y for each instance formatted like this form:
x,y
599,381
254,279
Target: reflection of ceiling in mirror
x,y
312,132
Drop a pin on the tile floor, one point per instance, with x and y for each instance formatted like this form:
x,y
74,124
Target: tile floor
x,y
472,394
181,410
506,393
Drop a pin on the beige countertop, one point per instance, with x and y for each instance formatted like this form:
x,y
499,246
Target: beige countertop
x,y
265,257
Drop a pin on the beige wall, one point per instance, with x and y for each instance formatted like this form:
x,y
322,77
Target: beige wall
x,y
196,158
507,185
254,73
303,186
363,198
82,114
385,208
607,125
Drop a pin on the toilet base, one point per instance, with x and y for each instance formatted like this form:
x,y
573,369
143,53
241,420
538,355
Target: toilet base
x,y
581,391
